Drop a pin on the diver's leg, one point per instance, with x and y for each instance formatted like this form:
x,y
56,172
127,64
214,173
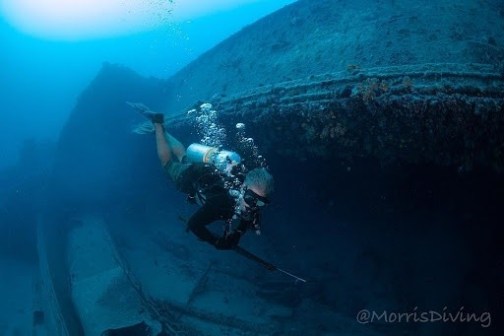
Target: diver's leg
x,y
176,146
163,148
162,144
166,144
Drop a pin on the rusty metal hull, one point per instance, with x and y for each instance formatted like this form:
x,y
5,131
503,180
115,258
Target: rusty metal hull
x,y
447,114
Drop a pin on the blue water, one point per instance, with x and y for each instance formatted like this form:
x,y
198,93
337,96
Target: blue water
x,y
53,74
368,234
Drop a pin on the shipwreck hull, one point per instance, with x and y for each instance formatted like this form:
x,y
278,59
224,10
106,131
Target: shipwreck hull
x,y
443,114
418,81
348,83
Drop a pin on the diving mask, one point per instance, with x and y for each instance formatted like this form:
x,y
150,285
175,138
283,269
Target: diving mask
x,y
254,200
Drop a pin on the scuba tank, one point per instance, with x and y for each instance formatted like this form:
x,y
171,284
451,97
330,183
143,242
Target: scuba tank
x,y
223,160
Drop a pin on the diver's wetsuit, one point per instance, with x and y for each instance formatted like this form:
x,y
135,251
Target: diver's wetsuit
x,y
202,181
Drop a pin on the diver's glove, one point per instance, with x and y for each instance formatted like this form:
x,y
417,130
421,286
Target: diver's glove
x,y
228,242
155,117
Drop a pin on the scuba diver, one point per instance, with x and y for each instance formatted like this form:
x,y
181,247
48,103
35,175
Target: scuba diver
x,y
214,179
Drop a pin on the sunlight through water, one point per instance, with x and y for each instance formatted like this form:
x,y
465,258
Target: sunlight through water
x,y
89,19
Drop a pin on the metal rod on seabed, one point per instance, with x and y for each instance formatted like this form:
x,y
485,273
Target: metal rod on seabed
x,y
264,263
291,275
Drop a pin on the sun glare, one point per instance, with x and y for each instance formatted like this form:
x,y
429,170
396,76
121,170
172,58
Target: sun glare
x,y
87,19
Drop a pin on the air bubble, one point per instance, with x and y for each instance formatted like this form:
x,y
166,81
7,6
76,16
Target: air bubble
x,y
205,107
205,120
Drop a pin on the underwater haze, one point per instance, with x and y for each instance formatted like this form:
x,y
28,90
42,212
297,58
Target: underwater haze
x,y
43,72
251,167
